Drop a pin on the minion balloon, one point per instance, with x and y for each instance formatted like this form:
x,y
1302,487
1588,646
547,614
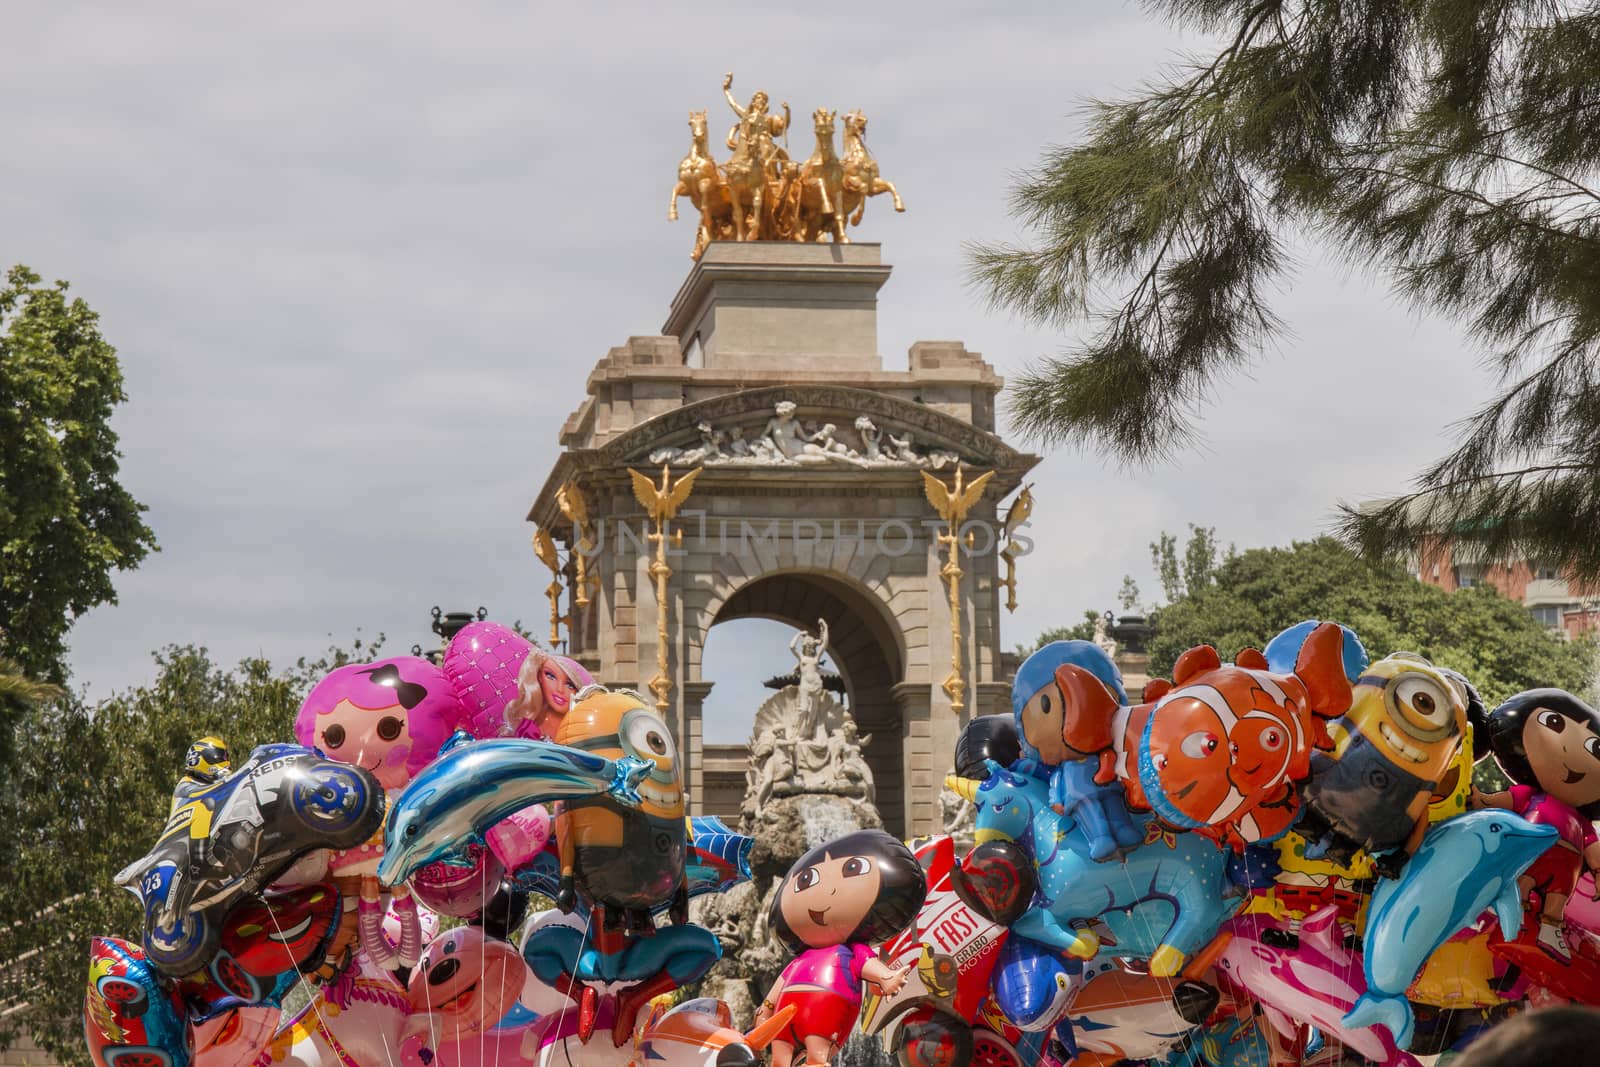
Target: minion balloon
x,y
622,864
628,861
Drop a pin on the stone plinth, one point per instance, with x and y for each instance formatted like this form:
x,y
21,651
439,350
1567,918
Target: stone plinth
x,y
773,305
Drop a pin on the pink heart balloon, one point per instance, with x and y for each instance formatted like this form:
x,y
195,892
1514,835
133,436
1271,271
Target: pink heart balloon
x,y
482,663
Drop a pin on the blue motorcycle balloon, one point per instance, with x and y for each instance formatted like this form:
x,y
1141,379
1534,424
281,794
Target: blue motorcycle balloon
x,y
230,839
470,787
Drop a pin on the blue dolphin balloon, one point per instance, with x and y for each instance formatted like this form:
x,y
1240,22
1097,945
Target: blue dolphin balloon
x,y
471,787
1464,866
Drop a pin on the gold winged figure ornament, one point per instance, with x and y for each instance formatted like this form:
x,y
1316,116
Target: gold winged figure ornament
x,y
661,503
953,502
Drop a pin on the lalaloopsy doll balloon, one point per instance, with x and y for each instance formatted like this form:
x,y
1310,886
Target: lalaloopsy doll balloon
x,y
835,901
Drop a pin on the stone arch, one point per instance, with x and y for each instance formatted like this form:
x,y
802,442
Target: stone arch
x,y
867,648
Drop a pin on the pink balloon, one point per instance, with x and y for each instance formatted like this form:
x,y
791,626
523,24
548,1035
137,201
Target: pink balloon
x,y
482,663
520,836
1583,910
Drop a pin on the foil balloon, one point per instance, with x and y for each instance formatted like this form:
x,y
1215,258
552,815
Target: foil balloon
x,y
354,1021
1396,744
266,946
1162,903
464,984
233,1038
948,954
508,685
390,716
1083,780
131,1019
629,859
1284,649
1464,866
462,886
473,786
1304,977
625,862
232,838
1222,752
1119,1014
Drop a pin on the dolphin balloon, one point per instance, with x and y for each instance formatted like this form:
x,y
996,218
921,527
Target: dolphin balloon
x,y
471,787
1464,865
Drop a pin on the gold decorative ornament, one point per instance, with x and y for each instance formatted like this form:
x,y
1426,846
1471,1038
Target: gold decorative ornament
x,y
575,506
953,502
1016,515
544,546
760,194
661,503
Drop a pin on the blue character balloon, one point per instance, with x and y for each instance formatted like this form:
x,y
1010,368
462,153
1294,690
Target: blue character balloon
x,y
1162,903
1082,785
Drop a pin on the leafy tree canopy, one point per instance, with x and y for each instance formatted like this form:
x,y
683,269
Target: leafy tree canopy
x,y
1494,641
88,793
65,522
1449,144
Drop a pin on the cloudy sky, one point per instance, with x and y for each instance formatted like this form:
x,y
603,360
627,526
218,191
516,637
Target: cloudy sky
x,y
358,260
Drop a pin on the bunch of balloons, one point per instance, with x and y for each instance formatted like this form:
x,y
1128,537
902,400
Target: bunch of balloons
x,y
1274,861
417,792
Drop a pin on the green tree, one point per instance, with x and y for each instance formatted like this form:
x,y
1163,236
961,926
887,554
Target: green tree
x,y
1494,641
91,795
65,522
1448,144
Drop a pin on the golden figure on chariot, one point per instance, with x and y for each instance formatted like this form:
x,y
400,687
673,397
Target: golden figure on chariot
x,y
760,194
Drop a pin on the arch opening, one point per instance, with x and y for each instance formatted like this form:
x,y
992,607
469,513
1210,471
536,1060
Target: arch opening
x,y
866,651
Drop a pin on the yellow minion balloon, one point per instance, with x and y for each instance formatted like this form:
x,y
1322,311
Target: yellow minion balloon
x,y
626,859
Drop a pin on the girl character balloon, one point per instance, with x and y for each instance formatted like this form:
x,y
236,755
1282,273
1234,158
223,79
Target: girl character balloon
x,y
547,684
389,717
1547,742
836,899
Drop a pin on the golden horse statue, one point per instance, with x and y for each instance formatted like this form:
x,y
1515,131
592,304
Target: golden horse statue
x,y
819,200
760,194
701,182
861,178
745,178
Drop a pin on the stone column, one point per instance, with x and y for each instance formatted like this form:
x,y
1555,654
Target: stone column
x,y
691,745
921,783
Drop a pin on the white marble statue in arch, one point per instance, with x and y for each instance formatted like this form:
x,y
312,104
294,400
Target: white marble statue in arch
x,y
803,741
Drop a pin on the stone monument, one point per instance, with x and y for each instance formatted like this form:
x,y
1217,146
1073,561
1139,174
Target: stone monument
x,y
813,463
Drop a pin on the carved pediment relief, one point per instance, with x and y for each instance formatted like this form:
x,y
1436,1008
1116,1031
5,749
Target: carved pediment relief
x,y
816,427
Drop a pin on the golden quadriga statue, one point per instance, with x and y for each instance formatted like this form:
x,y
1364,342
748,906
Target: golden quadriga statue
x,y
760,194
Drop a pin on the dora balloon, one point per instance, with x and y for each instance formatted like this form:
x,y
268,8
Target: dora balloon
x,y
1547,742
1397,745
836,900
